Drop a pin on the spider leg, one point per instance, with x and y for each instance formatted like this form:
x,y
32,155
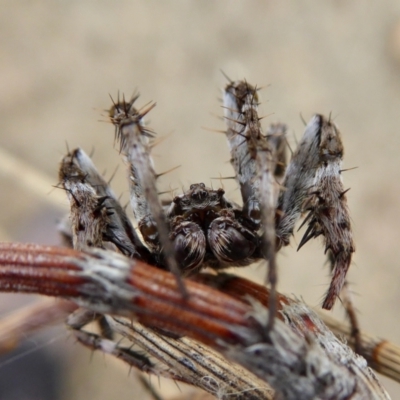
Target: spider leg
x,y
89,216
276,136
241,147
351,313
254,162
332,214
83,203
132,358
81,317
134,145
119,229
298,180
183,359
313,181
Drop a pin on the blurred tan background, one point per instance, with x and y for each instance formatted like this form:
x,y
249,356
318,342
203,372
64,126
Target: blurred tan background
x,y
59,61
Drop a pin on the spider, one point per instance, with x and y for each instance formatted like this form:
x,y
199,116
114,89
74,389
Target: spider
x,y
201,227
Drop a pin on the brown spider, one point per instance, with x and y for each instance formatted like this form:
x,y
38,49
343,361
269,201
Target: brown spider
x,y
200,227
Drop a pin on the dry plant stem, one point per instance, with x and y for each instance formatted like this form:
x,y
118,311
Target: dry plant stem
x,y
32,318
107,282
292,361
352,317
28,178
382,355
194,363
140,361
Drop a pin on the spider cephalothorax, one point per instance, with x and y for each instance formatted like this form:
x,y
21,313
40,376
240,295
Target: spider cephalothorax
x,y
215,225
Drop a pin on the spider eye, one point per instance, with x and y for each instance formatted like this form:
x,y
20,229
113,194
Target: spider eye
x,y
199,195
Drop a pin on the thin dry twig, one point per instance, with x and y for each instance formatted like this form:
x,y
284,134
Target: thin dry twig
x,y
31,179
32,318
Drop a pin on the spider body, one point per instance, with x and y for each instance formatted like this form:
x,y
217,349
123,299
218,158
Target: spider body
x,y
201,227
204,217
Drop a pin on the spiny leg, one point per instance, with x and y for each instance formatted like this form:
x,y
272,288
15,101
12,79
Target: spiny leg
x,y
313,183
134,145
91,225
298,181
193,363
348,304
119,229
89,216
180,359
328,211
89,222
276,136
242,157
81,317
254,164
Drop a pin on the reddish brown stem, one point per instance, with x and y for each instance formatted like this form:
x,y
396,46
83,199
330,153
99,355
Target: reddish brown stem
x,y
155,301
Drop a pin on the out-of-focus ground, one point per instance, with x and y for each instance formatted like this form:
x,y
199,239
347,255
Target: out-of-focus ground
x,y
59,61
